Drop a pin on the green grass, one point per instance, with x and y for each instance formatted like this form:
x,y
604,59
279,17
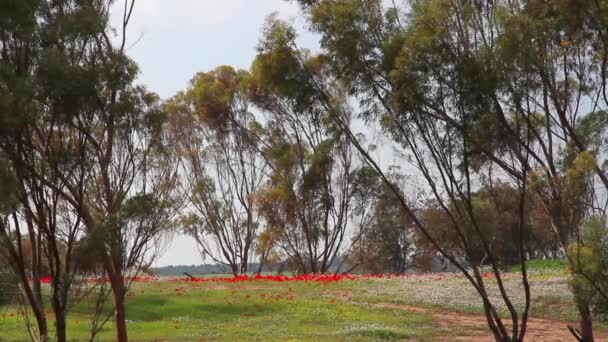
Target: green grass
x,y
541,265
298,311
244,311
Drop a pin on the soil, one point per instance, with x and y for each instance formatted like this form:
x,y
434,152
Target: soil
x,y
473,328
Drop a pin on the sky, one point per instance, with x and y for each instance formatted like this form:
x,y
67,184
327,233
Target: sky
x,y
171,40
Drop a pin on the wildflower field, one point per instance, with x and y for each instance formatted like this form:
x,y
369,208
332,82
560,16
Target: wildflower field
x,y
318,308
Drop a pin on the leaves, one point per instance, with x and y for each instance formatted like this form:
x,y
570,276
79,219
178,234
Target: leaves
x,y
8,190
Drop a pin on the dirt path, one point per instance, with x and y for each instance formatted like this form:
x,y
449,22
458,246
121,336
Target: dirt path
x,y
539,330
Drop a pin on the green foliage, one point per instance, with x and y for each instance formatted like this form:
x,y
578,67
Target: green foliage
x,y
385,239
8,190
391,49
540,265
278,67
213,95
592,129
138,207
497,216
588,265
320,166
585,265
9,290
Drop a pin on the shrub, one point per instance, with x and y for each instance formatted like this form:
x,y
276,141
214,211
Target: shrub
x,y
588,266
8,287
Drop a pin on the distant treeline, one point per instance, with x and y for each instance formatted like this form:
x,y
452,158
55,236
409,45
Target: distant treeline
x,y
340,265
192,269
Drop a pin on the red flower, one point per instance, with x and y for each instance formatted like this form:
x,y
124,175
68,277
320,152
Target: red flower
x,y
322,279
46,280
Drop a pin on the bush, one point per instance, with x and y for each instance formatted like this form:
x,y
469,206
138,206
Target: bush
x,y
8,288
588,266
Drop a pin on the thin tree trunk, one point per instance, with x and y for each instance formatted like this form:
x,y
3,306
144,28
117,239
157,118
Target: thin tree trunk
x,y
43,329
60,325
120,317
586,322
244,263
38,311
32,292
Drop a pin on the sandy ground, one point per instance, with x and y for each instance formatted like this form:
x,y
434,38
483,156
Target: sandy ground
x,y
477,331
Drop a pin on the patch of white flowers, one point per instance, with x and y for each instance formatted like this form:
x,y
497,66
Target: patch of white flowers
x,y
453,291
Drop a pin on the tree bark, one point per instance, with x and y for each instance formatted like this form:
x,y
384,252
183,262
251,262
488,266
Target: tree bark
x,y
37,309
58,300
234,269
586,322
60,325
43,329
120,317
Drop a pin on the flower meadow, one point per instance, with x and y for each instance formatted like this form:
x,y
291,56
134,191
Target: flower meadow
x,y
246,307
268,279
322,278
316,307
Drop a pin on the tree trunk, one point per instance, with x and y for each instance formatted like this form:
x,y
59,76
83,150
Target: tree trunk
x,y
586,333
35,304
60,325
244,263
261,266
120,317
38,311
43,329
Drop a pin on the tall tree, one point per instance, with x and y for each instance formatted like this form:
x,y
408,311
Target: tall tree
x,y
525,73
307,198
384,239
222,163
46,81
85,143
357,39
132,195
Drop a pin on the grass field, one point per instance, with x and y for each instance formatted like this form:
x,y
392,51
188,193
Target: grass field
x,y
348,310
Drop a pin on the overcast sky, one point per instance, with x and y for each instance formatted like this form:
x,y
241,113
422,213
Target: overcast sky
x,y
171,40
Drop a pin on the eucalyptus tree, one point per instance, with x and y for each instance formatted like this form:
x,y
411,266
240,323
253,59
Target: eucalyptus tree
x,y
44,84
523,83
14,249
220,142
385,239
85,144
307,199
360,46
45,229
132,198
